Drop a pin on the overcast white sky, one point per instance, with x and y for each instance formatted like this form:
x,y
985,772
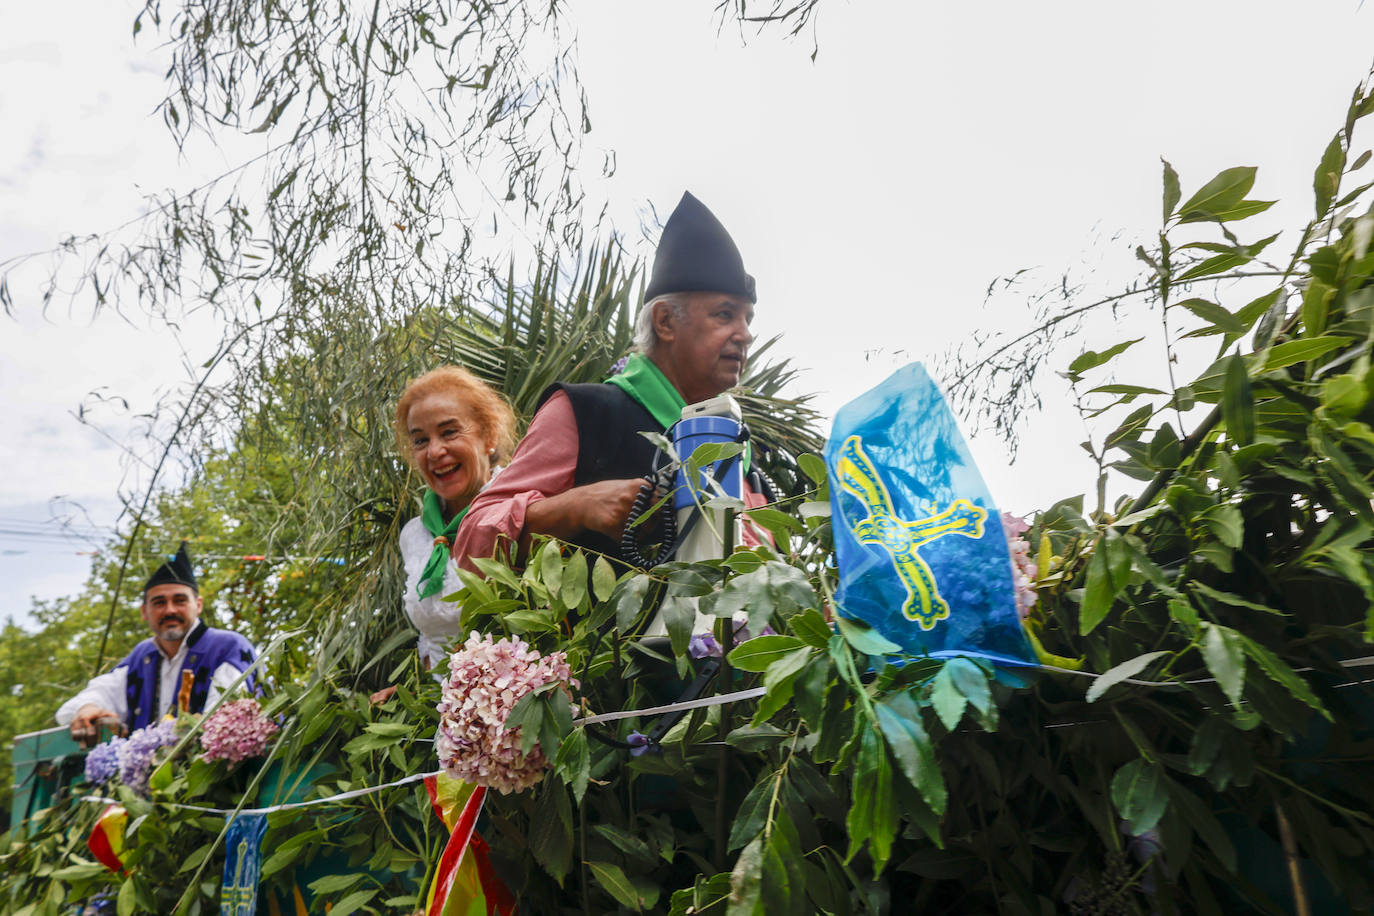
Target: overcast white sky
x,y
875,193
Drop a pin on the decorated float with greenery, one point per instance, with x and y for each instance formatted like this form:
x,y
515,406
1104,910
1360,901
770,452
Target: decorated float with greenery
x,y
1194,733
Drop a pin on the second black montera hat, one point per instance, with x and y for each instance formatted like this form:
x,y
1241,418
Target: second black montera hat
x,y
176,571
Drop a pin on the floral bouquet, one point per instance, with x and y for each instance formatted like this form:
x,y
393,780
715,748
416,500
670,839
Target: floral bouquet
x,y
138,755
236,731
486,680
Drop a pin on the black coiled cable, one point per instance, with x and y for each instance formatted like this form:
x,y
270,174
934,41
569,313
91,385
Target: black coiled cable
x,y
653,488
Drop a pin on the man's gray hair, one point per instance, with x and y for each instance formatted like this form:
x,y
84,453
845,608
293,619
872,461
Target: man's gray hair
x,y
645,338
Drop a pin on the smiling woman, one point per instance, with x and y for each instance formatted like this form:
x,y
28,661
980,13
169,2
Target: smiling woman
x,y
454,429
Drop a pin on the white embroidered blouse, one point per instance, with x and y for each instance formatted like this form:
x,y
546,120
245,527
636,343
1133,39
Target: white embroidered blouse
x,y
436,619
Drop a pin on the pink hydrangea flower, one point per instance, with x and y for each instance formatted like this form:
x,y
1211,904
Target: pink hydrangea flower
x,y
236,731
1023,570
485,681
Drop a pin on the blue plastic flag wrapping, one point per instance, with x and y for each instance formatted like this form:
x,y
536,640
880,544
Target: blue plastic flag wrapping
x,y
919,544
238,894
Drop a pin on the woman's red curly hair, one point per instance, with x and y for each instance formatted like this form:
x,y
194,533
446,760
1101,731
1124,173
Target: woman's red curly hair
x,y
491,410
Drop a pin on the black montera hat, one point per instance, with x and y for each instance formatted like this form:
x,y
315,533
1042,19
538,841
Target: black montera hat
x,y
696,254
176,571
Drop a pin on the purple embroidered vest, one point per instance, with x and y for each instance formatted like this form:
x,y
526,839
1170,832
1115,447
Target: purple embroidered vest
x,y
206,649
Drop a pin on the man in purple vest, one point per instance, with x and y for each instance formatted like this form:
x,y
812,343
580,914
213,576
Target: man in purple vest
x,y
145,685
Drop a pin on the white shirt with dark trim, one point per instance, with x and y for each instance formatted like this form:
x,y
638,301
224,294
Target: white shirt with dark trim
x,y
110,690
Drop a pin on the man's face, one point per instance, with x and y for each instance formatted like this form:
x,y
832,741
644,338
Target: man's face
x,y
171,611
709,343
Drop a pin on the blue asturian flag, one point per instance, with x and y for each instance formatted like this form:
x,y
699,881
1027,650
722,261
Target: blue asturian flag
x,y
918,540
238,895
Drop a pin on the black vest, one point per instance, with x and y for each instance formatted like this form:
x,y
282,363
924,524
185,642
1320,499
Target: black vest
x,y
609,444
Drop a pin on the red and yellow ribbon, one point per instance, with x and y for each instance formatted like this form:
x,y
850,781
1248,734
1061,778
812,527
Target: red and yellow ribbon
x,y
464,883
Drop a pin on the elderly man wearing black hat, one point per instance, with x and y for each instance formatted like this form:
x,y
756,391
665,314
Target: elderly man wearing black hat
x,y
182,653
582,462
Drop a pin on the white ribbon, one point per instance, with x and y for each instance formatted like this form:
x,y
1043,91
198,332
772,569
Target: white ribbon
x,y
342,796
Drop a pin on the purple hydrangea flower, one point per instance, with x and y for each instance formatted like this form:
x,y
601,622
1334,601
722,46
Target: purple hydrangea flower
x,y
136,754
702,645
103,761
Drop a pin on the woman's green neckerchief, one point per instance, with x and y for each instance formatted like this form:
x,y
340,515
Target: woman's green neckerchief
x,y
432,517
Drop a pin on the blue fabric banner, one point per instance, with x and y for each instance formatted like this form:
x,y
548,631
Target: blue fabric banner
x,y
918,540
238,895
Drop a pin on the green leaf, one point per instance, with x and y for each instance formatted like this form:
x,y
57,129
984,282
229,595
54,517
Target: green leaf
x,y
679,614
784,881
864,638
127,900
1124,389
1279,671
972,682
1226,524
551,567
1344,395
946,699
574,762
84,871
1118,673
1316,306
779,524
1327,178
1141,795
1224,652
745,561
900,720
1211,312
527,715
550,831
761,651
1215,594
1212,266
810,625
746,882
574,585
1238,402
1091,359
1108,570
778,680
1206,744
610,877
630,603
813,466
161,777
1171,189
1298,351
756,737
1222,193
332,884
752,816
1245,208
353,902
872,816
1199,816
